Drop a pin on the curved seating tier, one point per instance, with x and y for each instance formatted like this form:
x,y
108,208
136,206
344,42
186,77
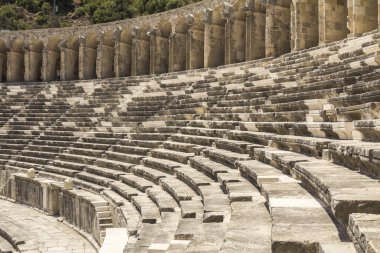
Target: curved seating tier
x,y
280,155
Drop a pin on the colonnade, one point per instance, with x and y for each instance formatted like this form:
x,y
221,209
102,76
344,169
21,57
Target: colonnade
x,y
224,33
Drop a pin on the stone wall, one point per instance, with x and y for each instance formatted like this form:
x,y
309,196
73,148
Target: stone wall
x,y
75,206
206,34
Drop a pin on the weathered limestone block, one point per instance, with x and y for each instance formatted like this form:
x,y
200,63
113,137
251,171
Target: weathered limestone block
x,y
69,59
159,52
123,52
332,20
31,173
105,56
304,24
255,30
362,16
277,30
68,184
36,192
33,61
214,39
140,53
78,211
364,229
235,37
194,45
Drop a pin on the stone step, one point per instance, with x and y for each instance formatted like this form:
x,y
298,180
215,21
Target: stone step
x,y
364,231
114,165
333,184
172,155
94,179
357,155
149,211
122,157
104,172
225,157
130,150
292,209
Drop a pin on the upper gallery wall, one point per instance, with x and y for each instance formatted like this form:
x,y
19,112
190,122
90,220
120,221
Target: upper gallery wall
x,y
202,35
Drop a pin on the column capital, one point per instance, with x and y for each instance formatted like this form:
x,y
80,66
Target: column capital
x,y
254,6
100,36
228,11
82,40
153,31
9,43
135,31
28,46
116,35
190,20
207,16
63,44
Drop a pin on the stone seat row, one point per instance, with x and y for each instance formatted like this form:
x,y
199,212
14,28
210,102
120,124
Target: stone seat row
x,y
188,214
175,156
150,136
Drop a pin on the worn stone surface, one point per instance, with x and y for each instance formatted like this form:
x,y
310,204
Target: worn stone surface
x,y
40,233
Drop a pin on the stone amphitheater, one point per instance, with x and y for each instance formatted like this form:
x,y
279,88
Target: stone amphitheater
x,y
238,126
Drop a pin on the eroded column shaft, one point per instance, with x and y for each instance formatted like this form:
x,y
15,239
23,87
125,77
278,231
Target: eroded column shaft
x,y
15,66
122,61
159,54
3,61
33,64
332,20
362,16
277,30
235,30
255,36
69,63
194,49
304,24
140,57
105,60
50,64
213,45
177,52
87,62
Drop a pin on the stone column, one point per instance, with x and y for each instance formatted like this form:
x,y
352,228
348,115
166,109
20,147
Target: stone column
x,y
277,30
123,51
235,37
69,60
213,42
87,59
50,64
33,62
304,24
140,54
15,61
255,31
159,52
3,61
177,52
332,20
194,45
362,16
105,57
